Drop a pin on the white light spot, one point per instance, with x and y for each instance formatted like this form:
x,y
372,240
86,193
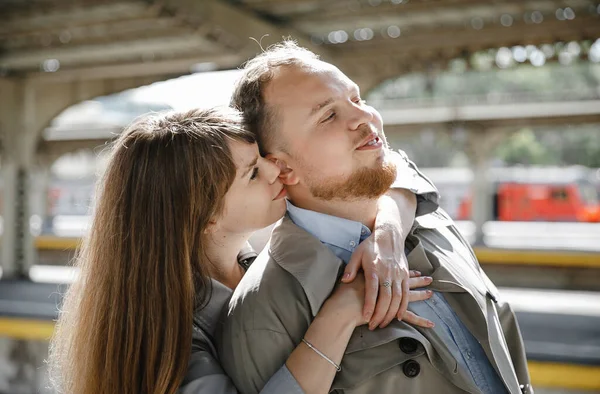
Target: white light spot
x,y
477,23
50,65
341,36
565,58
594,54
331,37
374,3
560,14
548,50
574,48
569,13
537,17
537,58
506,20
504,57
519,53
393,31
65,37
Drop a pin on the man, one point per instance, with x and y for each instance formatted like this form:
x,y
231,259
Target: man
x,y
310,119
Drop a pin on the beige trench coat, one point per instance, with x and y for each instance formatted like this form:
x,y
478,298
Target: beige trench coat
x,y
284,289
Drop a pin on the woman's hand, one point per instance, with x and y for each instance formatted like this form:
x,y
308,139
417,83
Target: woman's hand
x,y
347,300
384,263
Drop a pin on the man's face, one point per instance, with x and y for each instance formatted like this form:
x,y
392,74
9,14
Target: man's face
x,y
330,138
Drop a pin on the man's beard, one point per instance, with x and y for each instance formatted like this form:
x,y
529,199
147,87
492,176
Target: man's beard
x,y
365,183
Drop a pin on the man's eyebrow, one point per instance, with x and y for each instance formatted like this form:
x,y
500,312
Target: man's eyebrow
x,y
318,107
250,166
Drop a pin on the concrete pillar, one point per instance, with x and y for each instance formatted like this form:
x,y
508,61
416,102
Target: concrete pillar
x,y
39,198
19,142
479,147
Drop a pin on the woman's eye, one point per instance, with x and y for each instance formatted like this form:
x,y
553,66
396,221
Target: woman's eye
x,y
358,100
254,173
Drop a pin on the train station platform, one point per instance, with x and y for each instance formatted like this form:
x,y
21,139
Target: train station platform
x,y
560,328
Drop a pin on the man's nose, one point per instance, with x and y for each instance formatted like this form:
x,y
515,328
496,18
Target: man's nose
x,y
360,115
271,170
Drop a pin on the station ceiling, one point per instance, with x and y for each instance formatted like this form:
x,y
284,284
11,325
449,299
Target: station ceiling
x,y
103,38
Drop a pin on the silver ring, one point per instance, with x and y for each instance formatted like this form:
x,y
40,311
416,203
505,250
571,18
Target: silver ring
x,y
386,284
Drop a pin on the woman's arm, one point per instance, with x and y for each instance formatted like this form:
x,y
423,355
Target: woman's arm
x,y
382,259
330,333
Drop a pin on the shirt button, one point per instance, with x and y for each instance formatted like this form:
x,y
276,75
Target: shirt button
x,y
469,355
363,231
352,243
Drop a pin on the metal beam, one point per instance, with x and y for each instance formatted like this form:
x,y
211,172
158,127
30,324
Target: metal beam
x,y
494,36
239,26
164,68
494,116
76,16
115,51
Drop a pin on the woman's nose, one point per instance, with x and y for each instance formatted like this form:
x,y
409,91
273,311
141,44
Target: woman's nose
x,y
271,170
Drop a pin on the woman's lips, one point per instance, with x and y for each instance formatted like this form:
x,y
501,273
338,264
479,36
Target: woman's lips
x,y
281,194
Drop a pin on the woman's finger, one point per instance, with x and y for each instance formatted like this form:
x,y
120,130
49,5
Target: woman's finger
x,y
421,281
405,300
415,320
397,299
383,303
419,295
371,292
352,267
414,273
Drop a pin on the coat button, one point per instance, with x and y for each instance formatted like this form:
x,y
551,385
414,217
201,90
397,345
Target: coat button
x,y
408,345
411,368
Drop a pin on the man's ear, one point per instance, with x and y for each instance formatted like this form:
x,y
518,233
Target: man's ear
x,y
287,176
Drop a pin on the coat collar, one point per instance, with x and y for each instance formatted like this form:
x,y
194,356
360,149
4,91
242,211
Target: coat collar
x,y
313,265
207,318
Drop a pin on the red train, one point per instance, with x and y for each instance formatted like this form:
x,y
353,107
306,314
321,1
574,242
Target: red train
x,y
525,194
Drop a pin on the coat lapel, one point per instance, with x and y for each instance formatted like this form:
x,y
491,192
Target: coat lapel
x,y
313,265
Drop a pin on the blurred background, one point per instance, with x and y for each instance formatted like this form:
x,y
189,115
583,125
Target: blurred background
x,y
497,101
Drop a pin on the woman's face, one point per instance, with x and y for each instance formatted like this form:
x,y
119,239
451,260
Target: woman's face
x,y
256,198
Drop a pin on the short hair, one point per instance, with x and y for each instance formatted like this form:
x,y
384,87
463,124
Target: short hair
x,y
257,73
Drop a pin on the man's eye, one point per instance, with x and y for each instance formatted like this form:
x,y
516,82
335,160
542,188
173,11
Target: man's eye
x,y
329,117
358,100
254,173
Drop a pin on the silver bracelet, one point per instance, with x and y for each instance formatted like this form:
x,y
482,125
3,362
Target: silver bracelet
x,y
330,361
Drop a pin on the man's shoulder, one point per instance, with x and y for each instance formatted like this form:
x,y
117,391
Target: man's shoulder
x,y
265,291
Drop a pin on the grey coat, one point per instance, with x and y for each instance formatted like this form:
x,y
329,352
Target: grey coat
x,y
282,292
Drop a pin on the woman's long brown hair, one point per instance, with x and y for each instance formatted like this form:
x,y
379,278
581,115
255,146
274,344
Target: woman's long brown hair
x,y
126,323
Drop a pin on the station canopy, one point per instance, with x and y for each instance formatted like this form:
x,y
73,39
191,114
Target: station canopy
x,y
87,38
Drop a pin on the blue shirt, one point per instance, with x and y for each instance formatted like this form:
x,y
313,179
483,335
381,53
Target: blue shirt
x,y
342,236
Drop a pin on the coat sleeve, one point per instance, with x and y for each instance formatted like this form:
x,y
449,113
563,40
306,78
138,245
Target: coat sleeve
x,y
252,357
205,376
409,177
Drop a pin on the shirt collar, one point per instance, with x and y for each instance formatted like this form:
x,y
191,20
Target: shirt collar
x,y
342,233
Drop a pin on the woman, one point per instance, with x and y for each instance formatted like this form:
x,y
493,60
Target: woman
x,y
153,275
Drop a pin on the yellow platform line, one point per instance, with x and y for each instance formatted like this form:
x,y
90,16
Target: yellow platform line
x,y
28,329
49,242
543,374
485,255
538,257
568,376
